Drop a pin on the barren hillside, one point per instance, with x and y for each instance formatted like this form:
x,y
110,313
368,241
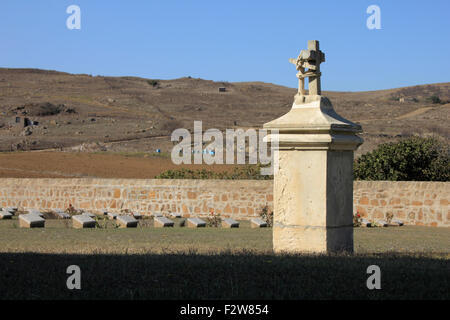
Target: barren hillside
x,y
136,114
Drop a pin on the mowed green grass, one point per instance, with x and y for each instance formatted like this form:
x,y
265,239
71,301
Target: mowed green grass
x,y
215,263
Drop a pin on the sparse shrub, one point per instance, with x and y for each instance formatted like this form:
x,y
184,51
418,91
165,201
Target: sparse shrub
x,y
70,110
213,220
266,215
357,220
413,159
72,211
66,223
170,125
50,215
373,224
247,172
394,98
102,223
47,109
389,217
145,222
153,83
434,99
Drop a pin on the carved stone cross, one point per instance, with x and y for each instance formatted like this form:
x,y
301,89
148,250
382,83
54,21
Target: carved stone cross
x,y
308,65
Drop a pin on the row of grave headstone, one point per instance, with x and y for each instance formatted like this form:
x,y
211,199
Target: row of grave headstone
x,y
35,219
381,223
161,221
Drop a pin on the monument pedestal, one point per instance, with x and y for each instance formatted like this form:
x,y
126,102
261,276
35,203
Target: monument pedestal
x,y
313,186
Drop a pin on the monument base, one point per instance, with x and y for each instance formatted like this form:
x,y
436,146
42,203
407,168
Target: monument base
x,y
313,209
297,239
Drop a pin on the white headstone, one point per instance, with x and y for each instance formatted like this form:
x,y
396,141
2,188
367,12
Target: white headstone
x,y
258,223
127,221
36,212
5,215
137,215
175,214
83,221
62,215
382,223
230,223
195,223
365,223
397,222
31,221
89,214
161,222
111,215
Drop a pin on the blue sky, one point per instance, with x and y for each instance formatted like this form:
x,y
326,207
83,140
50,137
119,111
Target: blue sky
x,y
232,40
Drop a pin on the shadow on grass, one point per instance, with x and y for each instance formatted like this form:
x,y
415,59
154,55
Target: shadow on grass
x,y
243,275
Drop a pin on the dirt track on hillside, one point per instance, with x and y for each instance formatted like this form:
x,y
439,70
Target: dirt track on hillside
x,y
73,165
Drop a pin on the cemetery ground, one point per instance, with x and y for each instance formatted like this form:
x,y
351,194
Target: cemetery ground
x,y
216,263
126,165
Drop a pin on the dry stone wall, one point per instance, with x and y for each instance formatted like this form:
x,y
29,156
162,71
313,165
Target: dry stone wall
x,y
237,199
417,203
414,202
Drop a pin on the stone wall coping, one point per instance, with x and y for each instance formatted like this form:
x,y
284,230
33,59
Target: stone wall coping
x,y
135,182
114,181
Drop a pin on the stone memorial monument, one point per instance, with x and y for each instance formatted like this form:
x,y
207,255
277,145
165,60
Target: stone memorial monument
x,y
313,186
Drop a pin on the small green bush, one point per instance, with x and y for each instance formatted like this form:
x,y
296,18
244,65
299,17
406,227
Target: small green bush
x,y
153,83
266,215
434,99
47,109
413,159
213,220
356,220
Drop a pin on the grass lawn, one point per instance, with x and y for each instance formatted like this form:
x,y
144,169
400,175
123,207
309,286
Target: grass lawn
x,y
211,263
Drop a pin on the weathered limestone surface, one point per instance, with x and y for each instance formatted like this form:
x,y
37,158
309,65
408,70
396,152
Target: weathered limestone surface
x,y
82,221
314,194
